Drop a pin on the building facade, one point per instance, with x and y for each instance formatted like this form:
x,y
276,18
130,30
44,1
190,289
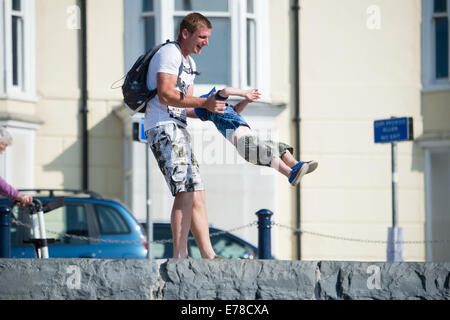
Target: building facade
x,y
357,61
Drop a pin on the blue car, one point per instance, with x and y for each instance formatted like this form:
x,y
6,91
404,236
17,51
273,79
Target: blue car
x,y
90,226
86,226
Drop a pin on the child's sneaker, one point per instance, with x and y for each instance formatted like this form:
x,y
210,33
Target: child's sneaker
x,y
312,165
300,169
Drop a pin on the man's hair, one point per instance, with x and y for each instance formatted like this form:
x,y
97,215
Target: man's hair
x,y
192,21
5,136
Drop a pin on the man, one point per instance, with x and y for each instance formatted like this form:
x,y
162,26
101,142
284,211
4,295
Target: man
x,y
172,72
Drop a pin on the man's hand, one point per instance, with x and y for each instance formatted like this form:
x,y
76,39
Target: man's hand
x,y
213,105
23,199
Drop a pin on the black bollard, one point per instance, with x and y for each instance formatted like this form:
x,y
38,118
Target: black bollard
x,y
5,232
264,228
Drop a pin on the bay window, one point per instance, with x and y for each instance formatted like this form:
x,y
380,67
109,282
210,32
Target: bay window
x,y
238,54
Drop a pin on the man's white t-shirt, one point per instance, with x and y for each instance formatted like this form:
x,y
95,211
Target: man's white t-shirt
x,y
168,59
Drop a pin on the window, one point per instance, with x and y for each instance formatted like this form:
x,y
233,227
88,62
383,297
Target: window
x,y
436,44
17,44
110,221
238,54
15,228
148,17
17,65
162,250
207,63
440,17
224,246
65,222
251,44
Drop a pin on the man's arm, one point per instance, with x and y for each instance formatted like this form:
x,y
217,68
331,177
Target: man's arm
x,y
190,111
167,94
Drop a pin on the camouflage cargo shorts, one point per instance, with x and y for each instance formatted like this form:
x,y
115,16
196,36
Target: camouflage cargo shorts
x,y
171,146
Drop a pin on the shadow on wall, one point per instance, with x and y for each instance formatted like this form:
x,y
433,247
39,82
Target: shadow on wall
x,y
105,153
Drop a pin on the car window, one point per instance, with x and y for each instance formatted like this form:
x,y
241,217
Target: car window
x,y
162,250
223,246
66,224
194,251
15,227
110,220
227,247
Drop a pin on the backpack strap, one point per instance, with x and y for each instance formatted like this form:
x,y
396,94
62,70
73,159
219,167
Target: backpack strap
x,y
190,66
148,56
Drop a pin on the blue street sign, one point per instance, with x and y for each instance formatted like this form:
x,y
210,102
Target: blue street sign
x,y
393,129
139,131
142,136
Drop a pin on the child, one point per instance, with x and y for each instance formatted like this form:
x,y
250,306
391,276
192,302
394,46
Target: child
x,y
234,128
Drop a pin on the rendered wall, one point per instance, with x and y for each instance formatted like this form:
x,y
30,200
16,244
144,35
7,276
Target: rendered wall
x,y
359,62
58,141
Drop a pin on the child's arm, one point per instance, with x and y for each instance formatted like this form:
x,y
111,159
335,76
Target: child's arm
x,y
249,95
241,105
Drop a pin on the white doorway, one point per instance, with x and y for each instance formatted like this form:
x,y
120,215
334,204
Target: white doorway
x,y
438,204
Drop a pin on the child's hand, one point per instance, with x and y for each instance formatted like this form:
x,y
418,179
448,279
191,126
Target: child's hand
x,y
252,95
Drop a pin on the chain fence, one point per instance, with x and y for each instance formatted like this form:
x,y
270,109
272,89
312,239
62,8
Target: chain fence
x,y
112,241
342,238
249,225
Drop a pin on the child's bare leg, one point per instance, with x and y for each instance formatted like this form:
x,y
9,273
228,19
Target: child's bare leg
x,y
289,159
239,133
278,164
281,167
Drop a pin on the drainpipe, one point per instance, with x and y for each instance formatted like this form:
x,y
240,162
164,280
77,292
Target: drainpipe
x,y
296,11
84,96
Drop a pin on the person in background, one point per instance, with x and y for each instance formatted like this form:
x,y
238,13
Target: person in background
x,y
6,189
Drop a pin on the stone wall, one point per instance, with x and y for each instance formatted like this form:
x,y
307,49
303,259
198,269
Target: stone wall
x,y
221,279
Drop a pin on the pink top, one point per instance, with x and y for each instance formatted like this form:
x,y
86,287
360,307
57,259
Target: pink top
x,y
7,190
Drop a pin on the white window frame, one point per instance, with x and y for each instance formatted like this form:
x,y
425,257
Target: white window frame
x,y
429,81
245,53
148,14
164,15
26,90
